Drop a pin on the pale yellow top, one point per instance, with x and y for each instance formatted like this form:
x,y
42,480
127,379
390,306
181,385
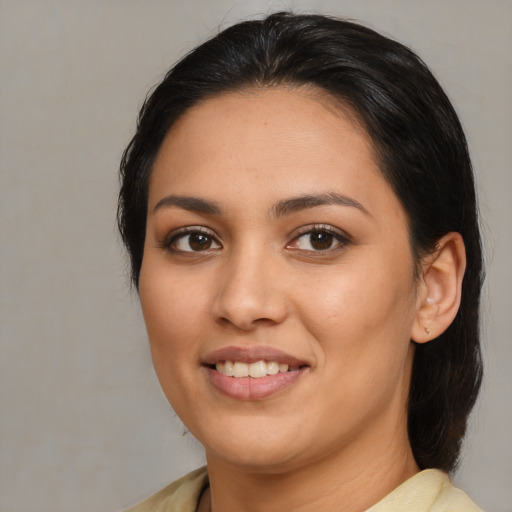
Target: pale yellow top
x,y
428,491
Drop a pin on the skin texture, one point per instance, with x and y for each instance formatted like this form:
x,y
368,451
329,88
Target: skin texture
x,y
336,438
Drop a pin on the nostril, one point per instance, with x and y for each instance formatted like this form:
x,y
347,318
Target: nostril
x,y
246,324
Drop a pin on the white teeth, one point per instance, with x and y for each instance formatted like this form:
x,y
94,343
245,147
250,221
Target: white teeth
x,y
226,368
258,369
229,368
241,370
272,368
255,370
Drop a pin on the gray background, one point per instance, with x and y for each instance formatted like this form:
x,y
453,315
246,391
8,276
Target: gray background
x,y
84,425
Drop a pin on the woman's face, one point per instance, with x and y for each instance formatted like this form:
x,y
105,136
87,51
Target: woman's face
x,y
272,236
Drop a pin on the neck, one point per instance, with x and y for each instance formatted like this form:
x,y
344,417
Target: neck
x,y
349,480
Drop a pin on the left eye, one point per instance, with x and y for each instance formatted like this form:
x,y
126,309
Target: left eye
x,y
317,240
195,242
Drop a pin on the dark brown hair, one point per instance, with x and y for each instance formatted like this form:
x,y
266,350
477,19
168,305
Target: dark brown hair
x,y
422,153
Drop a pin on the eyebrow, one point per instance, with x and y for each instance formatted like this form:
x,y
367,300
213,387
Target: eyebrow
x,y
193,204
279,209
295,204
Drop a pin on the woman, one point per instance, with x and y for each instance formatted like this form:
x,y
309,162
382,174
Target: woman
x,y
299,209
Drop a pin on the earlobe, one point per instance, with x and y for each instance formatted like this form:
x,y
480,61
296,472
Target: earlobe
x,y
440,288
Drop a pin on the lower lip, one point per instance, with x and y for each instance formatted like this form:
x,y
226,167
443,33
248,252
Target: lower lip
x,y
249,388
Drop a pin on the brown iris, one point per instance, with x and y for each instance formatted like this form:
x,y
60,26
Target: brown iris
x,y
199,242
320,240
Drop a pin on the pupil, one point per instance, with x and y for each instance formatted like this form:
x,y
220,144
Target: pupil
x,y
199,242
321,240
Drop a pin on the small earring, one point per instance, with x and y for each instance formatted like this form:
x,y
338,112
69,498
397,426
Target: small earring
x,y
430,300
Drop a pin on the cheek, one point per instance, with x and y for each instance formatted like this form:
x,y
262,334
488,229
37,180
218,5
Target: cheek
x,y
174,311
361,325
168,299
361,311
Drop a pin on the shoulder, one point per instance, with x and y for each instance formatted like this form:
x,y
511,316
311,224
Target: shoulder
x,y
182,495
451,499
429,491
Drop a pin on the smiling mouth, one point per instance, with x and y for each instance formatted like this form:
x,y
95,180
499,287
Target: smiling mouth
x,y
256,370
253,372
256,380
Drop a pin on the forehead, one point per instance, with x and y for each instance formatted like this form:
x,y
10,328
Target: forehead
x,y
297,140
285,115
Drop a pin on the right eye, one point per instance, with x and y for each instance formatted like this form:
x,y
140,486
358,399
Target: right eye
x,y
193,241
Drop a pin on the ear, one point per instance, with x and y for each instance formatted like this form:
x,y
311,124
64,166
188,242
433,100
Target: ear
x,y
439,290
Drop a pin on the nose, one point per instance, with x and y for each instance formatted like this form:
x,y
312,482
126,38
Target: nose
x,y
251,293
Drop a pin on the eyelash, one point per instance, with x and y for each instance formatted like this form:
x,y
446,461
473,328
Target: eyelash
x,y
342,238
169,243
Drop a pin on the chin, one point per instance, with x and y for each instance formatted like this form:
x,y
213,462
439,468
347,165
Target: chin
x,y
256,459
258,449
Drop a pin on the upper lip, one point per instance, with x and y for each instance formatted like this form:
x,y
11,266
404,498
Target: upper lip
x,y
251,355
